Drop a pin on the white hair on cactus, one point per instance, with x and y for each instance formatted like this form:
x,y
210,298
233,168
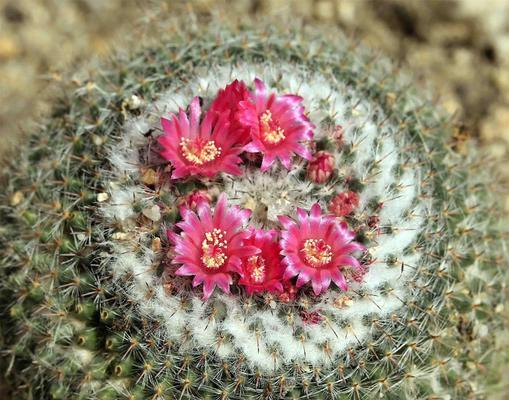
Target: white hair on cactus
x,y
394,244
122,157
121,203
276,192
123,260
401,201
264,336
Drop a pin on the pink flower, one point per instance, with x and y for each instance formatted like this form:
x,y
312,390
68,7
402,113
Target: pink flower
x,y
263,272
195,148
316,248
321,167
277,125
211,245
344,203
228,100
193,199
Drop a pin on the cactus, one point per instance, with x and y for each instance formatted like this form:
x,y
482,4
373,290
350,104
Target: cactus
x,y
93,306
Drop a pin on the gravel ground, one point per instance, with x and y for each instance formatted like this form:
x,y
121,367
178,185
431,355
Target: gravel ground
x,y
41,38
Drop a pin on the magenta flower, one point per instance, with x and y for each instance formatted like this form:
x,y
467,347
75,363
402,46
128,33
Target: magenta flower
x,y
211,245
263,272
195,148
228,100
277,125
316,248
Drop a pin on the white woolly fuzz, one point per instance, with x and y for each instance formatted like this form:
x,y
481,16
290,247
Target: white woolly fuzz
x,y
400,201
274,193
120,205
264,336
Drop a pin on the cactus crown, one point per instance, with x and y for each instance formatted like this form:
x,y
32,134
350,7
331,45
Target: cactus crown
x,y
95,308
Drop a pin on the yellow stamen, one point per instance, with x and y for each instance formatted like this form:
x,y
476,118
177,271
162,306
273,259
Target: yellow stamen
x,y
196,153
257,267
271,132
213,248
316,252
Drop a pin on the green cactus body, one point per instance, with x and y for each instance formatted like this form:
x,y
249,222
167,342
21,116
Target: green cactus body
x,y
89,311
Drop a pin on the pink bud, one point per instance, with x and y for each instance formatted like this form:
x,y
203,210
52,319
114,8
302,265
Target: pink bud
x,y
193,199
344,203
289,292
321,167
311,317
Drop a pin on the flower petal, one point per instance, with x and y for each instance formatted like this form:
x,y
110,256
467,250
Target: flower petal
x,y
208,288
338,279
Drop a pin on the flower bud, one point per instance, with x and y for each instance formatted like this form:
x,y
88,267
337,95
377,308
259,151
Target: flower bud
x,y
321,167
344,203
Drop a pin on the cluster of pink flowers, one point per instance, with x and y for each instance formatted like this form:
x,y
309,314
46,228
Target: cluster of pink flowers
x,y
237,121
217,247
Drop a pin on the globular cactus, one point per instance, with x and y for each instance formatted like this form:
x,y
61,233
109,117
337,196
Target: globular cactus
x,y
371,263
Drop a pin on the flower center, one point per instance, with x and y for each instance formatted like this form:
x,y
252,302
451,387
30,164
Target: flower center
x,y
256,268
272,133
199,152
213,248
316,252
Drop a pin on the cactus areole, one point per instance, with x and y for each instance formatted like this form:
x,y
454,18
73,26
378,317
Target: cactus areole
x,y
279,217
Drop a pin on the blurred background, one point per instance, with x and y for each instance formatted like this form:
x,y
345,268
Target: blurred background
x,y
459,47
